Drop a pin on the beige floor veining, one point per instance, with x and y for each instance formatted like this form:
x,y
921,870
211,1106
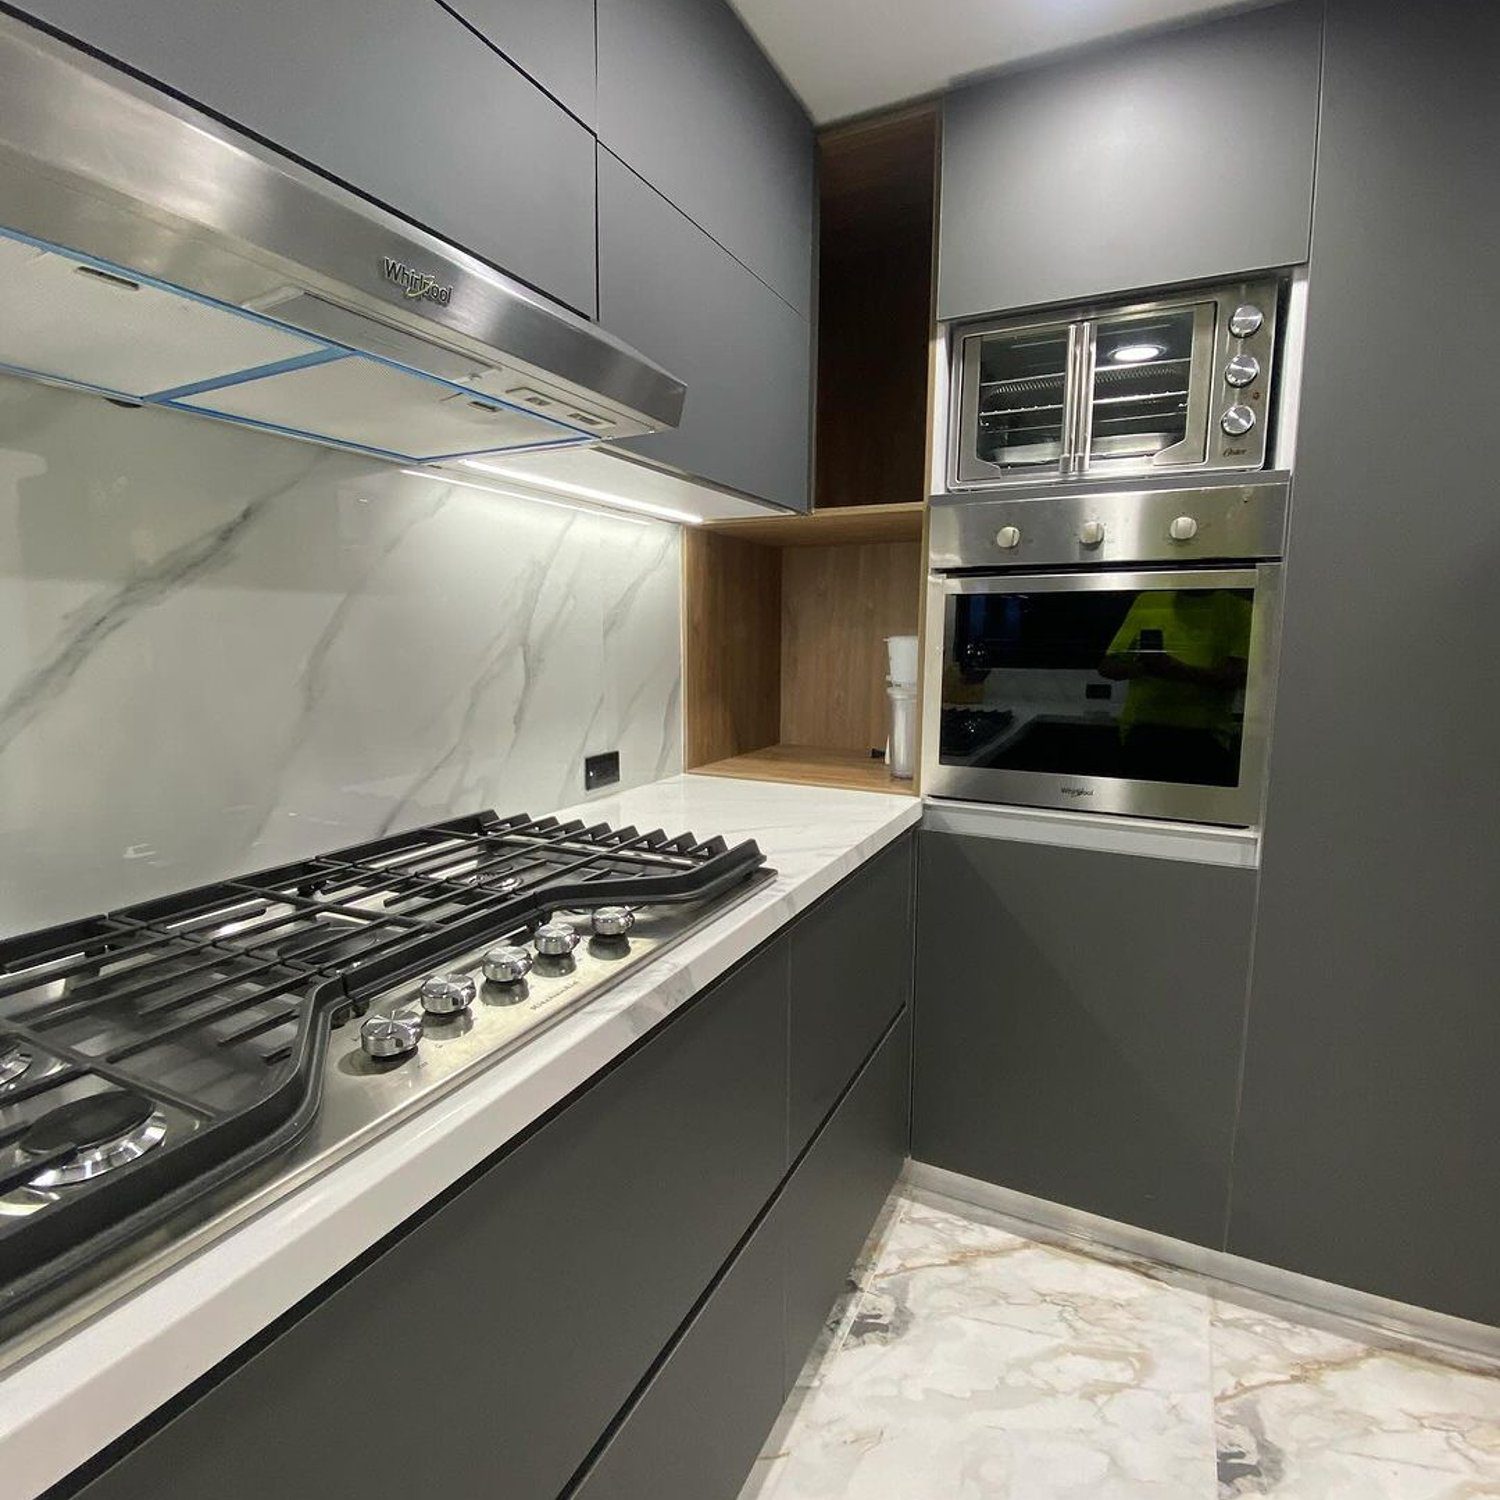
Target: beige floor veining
x,y
968,1361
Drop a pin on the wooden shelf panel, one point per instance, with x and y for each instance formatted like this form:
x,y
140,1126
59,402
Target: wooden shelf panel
x,y
810,766
829,528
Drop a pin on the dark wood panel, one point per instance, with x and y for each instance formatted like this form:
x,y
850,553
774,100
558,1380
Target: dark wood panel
x,y
878,183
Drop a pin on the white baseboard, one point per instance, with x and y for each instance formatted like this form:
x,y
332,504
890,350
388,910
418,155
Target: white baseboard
x,y
1321,1302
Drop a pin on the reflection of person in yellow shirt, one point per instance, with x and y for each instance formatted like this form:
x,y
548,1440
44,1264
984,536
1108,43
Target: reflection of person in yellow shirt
x,y
1184,653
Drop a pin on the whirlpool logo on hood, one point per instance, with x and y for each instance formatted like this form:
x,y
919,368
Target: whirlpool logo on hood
x,y
415,283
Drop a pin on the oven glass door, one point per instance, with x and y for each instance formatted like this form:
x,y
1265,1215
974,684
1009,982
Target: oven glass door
x,y
1141,693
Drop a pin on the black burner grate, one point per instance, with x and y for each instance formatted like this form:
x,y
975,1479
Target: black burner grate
x,y
214,1005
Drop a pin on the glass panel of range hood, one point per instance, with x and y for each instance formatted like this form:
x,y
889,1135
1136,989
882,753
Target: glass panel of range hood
x,y
87,323
64,319
367,403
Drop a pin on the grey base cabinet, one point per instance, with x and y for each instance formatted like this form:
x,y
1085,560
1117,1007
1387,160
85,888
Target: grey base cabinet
x,y
1079,1024
615,1306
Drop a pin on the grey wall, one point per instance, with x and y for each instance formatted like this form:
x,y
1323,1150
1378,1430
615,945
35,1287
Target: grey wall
x,y
220,649
1367,1150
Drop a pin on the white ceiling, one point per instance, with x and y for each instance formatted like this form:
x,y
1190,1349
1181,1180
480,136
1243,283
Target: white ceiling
x,y
844,57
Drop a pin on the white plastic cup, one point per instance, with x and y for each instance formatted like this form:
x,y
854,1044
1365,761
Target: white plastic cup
x,y
901,748
903,658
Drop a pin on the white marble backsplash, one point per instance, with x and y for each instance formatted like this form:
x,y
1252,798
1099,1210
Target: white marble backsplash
x,y
219,650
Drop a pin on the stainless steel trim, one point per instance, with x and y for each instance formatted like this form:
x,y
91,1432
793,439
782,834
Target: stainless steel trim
x,y
94,161
1236,522
1361,1315
1237,806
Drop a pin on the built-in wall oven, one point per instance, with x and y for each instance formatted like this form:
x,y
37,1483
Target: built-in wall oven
x,y
1110,649
1178,382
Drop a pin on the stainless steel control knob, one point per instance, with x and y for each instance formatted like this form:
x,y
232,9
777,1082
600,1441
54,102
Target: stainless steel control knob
x,y
1183,529
1008,537
1091,533
1238,420
1241,369
390,1036
612,921
1245,320
507,964
446,994
556,939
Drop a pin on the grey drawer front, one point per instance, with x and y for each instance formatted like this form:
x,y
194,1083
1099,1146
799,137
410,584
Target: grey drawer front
x,y
512,1324
851,972
395,97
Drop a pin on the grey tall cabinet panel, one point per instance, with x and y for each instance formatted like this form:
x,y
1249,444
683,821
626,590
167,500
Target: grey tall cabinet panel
x,y
1079,1024
668,288
551,41
1369,1147
687,98
395,97
1183,155
514,1322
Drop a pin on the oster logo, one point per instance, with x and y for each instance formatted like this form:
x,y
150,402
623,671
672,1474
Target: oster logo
x,y
415,283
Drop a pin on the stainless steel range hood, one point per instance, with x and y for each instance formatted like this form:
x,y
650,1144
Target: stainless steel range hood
x,y
149,253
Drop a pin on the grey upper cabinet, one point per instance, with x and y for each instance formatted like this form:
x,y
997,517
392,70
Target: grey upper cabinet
x,y
551,41
395,97
1176,157
670,290
1369,1148
1079,1025
688,100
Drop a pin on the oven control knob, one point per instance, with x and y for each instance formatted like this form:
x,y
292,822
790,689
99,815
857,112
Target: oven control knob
x,y
507,964
1091,533
1241,369
447,994
1245,320
390,1036
612,921
1237,420
1008,537
1183,529
556,939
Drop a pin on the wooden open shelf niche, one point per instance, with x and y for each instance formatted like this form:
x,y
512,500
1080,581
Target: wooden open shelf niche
x,y
784,657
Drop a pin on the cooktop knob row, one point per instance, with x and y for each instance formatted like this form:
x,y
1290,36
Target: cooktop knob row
x,y
507,964
385,1037
447,994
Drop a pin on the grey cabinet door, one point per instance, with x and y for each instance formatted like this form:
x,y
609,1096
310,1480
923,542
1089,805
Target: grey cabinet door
x,y
688,99
511,1324
851,972
551,41
1369,1147
397,98
1079,1021
668,289
696,1429
834,1198
1178,156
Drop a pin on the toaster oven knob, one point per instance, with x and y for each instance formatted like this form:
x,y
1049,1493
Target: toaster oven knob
x,y
1008,537
1183,529
1237,420
1245,320
1242,369
1091,533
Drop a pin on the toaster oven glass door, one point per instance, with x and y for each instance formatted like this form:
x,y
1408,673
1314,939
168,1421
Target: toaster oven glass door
x,y
1018,401
1138,693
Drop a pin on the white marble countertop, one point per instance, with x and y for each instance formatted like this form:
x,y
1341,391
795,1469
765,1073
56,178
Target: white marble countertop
x,y
75,1396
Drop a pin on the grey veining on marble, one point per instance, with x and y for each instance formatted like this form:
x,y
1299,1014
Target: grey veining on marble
x,y
220,650
975,1362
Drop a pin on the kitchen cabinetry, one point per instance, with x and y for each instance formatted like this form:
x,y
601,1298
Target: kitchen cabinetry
x,y
1079,1020
1369,1144
551,41
675,294
689,101
396,98
1182,156
614,1306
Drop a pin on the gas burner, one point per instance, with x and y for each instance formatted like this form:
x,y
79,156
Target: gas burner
x,y
14,1061
501,884
90,1136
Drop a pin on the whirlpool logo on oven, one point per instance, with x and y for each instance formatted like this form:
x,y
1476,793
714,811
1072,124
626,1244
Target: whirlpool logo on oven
x,y
1077,791
415,283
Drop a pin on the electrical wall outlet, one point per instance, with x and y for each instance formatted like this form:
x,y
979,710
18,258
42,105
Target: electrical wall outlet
x,y
601,770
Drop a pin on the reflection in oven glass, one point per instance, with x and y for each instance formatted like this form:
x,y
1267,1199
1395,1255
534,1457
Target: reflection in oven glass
x,y
1144,685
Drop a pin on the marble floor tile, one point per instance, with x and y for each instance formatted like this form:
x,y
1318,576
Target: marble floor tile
x,y
969,1360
